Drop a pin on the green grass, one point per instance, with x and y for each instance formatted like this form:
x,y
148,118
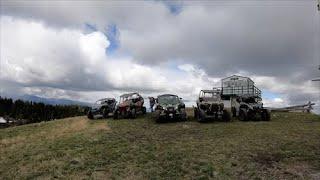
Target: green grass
x,y
75,148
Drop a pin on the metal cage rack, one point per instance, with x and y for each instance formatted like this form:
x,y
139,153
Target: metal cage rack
x,y
242,91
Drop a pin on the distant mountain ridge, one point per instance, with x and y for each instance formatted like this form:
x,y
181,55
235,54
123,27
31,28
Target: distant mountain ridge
x,y
51,101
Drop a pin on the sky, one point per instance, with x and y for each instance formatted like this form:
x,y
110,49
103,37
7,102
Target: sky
x,y
86,50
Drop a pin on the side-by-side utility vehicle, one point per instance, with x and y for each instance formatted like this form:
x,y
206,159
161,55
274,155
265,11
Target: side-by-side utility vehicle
x,y
102,108
245,98
210,106
130,105
169,107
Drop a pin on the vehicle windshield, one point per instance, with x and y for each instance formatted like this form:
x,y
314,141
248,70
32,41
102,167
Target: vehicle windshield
x,y
170,99
123,99
129,97
211,96
99,102
102,101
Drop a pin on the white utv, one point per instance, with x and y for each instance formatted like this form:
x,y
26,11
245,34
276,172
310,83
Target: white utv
x,y
210,106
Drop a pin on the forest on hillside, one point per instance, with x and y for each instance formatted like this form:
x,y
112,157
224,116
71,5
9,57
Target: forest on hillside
x,y
24,112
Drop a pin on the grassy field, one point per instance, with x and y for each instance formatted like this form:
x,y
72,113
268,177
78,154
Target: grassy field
x,y
76,148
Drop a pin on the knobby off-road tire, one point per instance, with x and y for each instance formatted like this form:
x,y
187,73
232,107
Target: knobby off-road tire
x,y
251,115
234,112
265,115
201,117
90,115
133,113
198,116
105,113
243,115
115,115
268,115
226,116
144,110
195,113
183,116
157,116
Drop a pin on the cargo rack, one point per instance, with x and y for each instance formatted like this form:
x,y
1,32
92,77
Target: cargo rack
x,y
251,91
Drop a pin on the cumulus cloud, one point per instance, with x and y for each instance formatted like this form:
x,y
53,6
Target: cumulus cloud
x,y
36,55
261,37
274,102
268,41
68,63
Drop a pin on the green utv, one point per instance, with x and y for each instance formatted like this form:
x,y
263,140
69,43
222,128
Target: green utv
x,y
169,107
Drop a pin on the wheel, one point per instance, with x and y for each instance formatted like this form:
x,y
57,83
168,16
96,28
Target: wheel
x,y
268,115
133,113
195,113
200,117
116,115
183,116
243,115
251,115
90,115
144,110
105,113
234,112
226,116
265,115
157,116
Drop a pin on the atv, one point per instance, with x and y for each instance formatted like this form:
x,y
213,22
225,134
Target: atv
x,y
102,108
169,107
129,106
210,106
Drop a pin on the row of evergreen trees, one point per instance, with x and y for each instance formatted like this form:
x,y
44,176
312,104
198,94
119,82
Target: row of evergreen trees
x,y
35,112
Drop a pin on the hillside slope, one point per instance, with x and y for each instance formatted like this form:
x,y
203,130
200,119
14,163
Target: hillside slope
x,y
76,148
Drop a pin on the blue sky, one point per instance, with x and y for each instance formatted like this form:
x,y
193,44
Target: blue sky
x,y
269,94
112,32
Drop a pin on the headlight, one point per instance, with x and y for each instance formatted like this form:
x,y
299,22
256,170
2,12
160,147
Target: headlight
x,y
159,107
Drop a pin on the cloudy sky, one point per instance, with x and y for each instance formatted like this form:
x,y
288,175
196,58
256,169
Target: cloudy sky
x,y
85,50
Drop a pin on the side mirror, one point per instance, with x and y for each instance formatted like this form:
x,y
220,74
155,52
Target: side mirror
x,y
201,99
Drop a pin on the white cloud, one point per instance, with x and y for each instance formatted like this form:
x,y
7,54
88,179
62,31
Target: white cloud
x,y
275,102
47,49
68,63
94,46
40,55
278,100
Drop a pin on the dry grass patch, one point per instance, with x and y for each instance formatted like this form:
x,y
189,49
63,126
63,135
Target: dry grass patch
x,y
65,127
102,125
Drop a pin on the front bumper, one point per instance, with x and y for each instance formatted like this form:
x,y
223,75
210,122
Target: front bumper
x,y
95,111
99,112
211,115
171,115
